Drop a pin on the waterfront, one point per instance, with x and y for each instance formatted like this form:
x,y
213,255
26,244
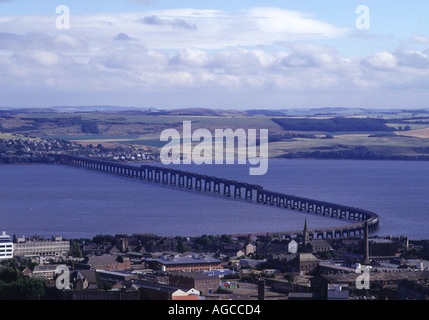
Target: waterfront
x,y
48,199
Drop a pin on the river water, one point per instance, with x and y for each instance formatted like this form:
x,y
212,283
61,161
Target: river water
x,y
75,203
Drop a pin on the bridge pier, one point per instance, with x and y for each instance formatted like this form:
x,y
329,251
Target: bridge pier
x,y
189,182
237,191
326,211
198,186
173,179
177,177
268,198
181,180
150,175
226,190
249,194
207,185
216,187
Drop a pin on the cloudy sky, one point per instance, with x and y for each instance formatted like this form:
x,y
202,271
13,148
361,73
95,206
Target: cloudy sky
x,y
219,54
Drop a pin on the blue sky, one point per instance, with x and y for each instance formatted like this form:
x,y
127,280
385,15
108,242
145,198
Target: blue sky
x,y
226,54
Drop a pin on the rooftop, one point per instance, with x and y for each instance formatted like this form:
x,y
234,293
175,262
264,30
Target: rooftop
x,y
172,260
307,257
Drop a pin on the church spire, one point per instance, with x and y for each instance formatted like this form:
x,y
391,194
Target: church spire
x,y
305,233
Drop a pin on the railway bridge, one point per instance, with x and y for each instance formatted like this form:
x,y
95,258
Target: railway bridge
x,y
230,188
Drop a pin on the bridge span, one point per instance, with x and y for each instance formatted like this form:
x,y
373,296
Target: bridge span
x,y
231,188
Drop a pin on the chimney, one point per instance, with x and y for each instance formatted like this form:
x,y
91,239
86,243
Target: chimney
x,y
261,290
366,244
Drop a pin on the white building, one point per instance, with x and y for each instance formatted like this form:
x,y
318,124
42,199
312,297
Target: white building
x,y
6,246
57,247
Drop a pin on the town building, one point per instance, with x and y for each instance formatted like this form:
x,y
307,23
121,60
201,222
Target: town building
x,y
316,246
204,283
6,246
337,291
189,263
84,280
105,262
305,263
54,248
379,247
380,280
47,272
286,246
155,291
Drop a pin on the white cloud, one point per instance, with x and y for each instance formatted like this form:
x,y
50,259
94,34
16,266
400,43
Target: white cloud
x,y
420,39
292,24
381,60
412,58
256,55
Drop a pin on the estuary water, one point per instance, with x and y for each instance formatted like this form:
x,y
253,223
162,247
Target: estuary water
x,y
51,200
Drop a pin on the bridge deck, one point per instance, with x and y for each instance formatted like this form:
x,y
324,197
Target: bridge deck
x,y
196,182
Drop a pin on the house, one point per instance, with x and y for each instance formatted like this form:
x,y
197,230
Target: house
x,y
240,253
84,280
27,272
249,249
47,272
315,246
246,250
204,283
286,246
305,263
155,291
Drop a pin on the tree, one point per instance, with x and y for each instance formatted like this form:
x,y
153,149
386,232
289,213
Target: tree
x,y
90,127
104,238
181,244
227,239
76,251
16,286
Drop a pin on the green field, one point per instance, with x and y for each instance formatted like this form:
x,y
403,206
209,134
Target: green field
x,y
293,134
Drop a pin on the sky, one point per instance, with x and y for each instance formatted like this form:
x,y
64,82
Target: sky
x,y
272,54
